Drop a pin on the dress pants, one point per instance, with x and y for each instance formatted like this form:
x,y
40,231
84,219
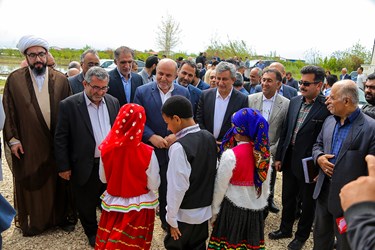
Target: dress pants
x,y
87,199
325,228
293,188
193,237
163,195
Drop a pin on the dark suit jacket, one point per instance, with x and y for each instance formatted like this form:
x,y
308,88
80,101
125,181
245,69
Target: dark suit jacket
x,y
148,96
293,83
116,88
350,163
288,92
206,110
306,135
76,83
74,137
346,76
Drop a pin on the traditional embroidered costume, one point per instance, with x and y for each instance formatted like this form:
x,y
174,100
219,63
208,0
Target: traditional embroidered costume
x,y
242,185
131,170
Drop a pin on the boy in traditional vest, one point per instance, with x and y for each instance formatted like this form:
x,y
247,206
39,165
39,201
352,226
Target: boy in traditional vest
x,y
190,176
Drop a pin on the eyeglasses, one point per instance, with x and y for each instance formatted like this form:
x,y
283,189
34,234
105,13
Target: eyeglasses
x,y
96,88
305,83
92,64
40,55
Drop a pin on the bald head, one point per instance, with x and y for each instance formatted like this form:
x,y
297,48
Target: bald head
x,y
348,89
167,62
72,72
279,67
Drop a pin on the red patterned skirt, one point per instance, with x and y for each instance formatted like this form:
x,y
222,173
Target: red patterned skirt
x,y
131,230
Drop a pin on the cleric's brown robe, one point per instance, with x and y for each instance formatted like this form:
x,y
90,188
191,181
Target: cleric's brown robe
x,y
38,190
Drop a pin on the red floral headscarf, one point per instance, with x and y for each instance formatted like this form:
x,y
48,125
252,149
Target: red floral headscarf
x,y
125,158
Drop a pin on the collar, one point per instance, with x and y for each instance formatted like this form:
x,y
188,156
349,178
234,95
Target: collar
x,y
219,96
272,99
351,118
170,89
88,101
122,77
187,130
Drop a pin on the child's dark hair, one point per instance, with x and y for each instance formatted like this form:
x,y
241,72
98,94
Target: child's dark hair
x,y
177,105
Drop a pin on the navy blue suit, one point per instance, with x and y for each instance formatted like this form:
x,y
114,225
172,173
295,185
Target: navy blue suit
x,y
148,96
350,164
116,88
346,76
288,92
203,85
195,94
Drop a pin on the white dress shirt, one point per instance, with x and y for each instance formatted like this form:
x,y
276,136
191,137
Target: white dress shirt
x,y
221,105
165,96
178,175
100,122
267,106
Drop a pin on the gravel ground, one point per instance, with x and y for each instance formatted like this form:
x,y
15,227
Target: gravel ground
x,y
58,239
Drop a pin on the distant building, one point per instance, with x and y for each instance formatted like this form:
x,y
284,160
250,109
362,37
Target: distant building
x,y
370,68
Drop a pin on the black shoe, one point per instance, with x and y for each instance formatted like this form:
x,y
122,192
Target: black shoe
x,y
92,240
68,228
296,244
273,208
275,235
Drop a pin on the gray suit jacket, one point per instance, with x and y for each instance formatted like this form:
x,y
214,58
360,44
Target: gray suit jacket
x,y
276,118
76,83
350,163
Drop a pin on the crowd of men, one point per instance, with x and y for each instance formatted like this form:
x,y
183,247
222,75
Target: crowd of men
x,y
54,125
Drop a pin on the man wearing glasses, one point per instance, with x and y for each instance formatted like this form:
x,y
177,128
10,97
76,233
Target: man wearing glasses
x,y
89,58
122,81
84,121
31,99
304,120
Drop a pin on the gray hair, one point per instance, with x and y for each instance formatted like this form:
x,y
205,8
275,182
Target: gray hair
x,y
91,51
97,71
123,49
349,89
224,66
239,80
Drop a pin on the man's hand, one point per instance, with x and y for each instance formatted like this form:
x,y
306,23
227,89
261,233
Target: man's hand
x,y
360,190
278,166
158,141
170,139
15,148
325,165
66,175
175,233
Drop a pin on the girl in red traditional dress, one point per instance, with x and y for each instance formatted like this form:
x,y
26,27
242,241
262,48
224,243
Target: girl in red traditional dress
x,y
131,171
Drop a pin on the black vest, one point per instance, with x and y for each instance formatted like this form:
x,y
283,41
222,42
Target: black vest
x,y
201,152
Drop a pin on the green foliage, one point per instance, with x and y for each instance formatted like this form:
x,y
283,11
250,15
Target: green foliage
x,y
350,58
229,50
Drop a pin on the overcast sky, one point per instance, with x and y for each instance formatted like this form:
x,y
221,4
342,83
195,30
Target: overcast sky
x,y
289,27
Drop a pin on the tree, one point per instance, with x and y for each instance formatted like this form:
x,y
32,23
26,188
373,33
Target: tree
x,y
168,34
312,56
